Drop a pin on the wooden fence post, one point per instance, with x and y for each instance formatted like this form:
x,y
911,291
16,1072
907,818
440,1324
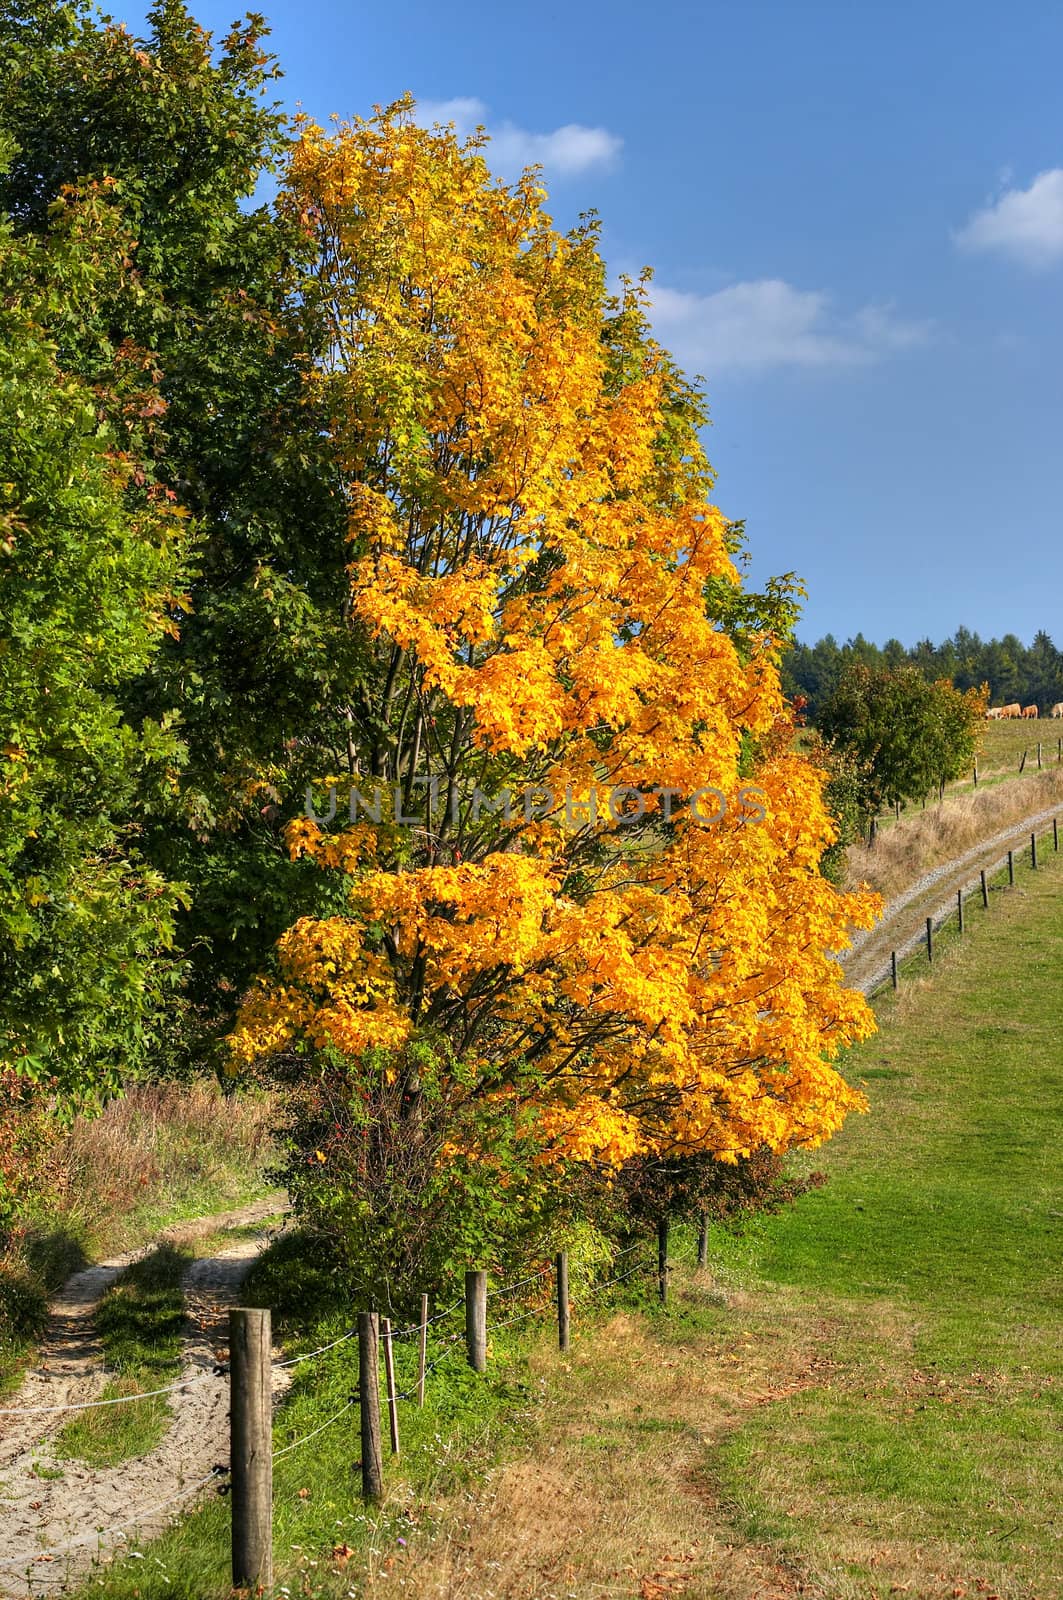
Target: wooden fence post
x,y
959,906
662,1260
389,1378
1033,851
893,967
1011,866
476,1320
369,1402
1055,833
251,1447
976,774
422,1350
561,1269
1022,763
703,1239
930,939
1038,755
985,889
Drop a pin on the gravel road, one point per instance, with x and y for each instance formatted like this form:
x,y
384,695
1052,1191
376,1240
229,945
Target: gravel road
x,y
903,923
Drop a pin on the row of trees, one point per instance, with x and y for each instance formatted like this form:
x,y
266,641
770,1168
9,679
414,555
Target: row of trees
x,y
381,486
1014,672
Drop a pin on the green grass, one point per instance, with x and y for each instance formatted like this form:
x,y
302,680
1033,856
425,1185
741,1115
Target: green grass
x,y
467,1422
1003,743
140,1322
890,1416
932,1258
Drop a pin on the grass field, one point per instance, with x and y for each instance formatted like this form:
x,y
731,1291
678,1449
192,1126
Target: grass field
x,y
861,1400
928,1458
1003,743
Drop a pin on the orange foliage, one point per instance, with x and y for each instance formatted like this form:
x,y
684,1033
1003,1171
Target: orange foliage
x,y
547,596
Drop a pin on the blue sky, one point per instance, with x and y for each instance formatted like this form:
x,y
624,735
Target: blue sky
x,y
854,212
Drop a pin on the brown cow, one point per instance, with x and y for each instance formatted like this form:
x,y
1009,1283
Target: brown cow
x,y
1029,711
1014,710
1057,710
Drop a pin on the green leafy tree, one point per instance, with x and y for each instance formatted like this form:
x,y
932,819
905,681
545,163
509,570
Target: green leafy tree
x,y
905,734
173,132
90,561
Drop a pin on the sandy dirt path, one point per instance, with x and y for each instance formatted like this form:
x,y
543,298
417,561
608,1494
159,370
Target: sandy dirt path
x,y
52,1527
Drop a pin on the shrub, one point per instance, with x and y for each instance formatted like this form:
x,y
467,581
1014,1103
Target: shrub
x,y
405,1181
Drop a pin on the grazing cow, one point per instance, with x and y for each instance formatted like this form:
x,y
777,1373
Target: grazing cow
x,y
1014,710
1029,711
1057,710
995,713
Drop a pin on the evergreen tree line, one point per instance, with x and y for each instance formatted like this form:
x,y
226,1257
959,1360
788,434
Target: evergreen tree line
x,y
1032,675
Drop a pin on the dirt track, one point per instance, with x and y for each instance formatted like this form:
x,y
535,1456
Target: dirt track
x,y
903,924
39,1515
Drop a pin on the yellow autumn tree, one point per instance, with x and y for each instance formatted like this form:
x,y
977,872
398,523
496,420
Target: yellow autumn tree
x,y
608,912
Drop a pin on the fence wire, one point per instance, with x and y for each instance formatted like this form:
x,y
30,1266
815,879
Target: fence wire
x,y
113,1400
297,1444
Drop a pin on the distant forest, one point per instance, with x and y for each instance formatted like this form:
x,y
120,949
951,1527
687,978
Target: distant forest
x,y
1032,675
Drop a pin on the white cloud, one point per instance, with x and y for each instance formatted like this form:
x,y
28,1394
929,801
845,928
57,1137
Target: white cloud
x,y
567,151
769,323
1026,224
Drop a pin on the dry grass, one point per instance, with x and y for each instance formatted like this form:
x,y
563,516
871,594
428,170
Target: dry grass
x,y
618,1493
1002,743
614,1497
161,1153
930,838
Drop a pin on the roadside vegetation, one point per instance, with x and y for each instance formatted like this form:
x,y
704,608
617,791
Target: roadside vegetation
x,y
922,840
159,1155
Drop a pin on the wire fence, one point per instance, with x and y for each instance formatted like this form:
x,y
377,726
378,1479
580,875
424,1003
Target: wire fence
x,y
945,913
455,1344
220,1477
110,1400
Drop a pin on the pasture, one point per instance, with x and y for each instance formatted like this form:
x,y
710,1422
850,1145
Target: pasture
x,y
857,1401
1003,743
922,1458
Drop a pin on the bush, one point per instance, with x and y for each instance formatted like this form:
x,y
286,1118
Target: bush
x,y
688,1186
405,1181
